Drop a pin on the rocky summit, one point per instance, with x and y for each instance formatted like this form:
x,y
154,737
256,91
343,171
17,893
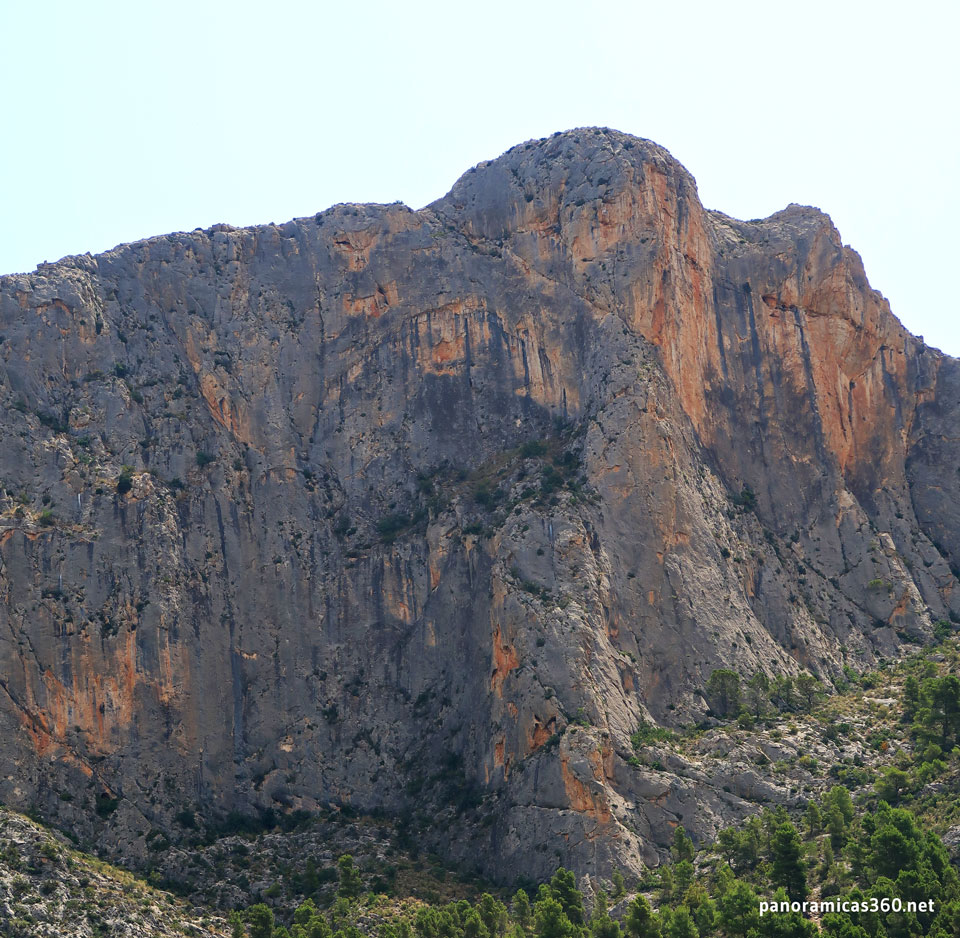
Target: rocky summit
x,y
421,515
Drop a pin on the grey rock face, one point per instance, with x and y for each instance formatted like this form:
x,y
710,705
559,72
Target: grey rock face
x,y
424,512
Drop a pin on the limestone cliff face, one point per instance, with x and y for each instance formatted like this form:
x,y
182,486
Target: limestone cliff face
x,y
423,512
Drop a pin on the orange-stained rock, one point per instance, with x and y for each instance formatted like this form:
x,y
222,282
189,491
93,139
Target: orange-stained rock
x,y
504,661
582,799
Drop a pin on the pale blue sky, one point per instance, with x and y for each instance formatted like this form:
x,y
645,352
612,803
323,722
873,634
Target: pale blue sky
x,y
124,120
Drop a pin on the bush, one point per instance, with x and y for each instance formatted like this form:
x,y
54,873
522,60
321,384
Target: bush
x,y
186,818
390,526
204,459
649,733
50,850
53,422
487,494
942,630
533,449
125,480
105,805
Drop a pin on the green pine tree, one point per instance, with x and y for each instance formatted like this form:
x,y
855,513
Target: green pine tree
x,y
641,921
788,869
351,885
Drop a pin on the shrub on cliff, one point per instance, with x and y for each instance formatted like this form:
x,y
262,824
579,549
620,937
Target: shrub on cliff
x,y
125,480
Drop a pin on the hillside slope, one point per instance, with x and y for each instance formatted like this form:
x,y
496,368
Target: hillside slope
x,y
48,889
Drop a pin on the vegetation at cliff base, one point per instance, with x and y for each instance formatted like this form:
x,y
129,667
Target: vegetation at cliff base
x,y
865,837
838,849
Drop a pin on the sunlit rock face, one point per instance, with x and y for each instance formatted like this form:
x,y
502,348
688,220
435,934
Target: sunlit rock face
x,y
424,512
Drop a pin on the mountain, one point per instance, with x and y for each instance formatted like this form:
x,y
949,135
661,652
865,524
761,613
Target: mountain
x,y
424,514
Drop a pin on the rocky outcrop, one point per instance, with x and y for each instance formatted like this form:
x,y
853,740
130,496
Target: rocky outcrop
x,y
424,512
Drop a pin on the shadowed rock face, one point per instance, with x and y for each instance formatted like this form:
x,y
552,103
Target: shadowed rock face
x,y
425,511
